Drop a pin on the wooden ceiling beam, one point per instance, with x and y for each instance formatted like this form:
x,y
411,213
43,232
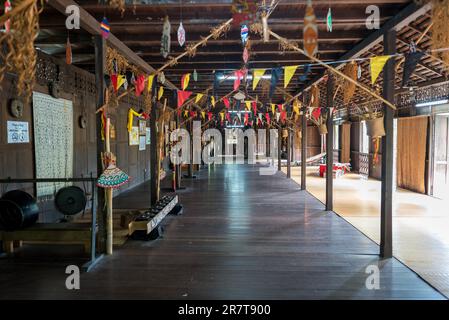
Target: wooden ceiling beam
x,y
92,26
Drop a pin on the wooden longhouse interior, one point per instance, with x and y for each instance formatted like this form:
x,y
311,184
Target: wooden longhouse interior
x,y
100,99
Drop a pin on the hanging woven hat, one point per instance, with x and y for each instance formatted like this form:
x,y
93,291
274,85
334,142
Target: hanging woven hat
x,y
112,177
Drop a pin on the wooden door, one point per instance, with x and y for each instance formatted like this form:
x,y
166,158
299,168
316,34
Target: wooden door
x,y
441,157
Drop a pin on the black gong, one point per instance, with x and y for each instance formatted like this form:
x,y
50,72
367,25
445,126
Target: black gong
x,y
70,200
18,209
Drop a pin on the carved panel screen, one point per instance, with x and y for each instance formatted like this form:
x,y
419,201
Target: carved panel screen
x,y
53,140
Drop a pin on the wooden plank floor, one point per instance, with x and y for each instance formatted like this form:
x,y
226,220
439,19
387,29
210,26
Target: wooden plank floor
x,y
420,222
242,236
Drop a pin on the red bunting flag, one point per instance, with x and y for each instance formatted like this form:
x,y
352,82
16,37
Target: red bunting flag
x,y
267,116
140,85
192,114
239,74
316,113
183,96
283,116
246,119
280,107
226,103
114,81
254,104
209,116
228,116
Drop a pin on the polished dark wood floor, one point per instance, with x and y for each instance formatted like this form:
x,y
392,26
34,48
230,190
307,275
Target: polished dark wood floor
x,y
242,236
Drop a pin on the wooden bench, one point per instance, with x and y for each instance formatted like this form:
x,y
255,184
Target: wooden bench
x,y
54,233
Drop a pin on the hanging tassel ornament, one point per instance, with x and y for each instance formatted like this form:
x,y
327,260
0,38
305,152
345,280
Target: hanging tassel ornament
x,y
349,87
105,28
244,33
310,31
329,20
165,40
68,52
181,35
359,72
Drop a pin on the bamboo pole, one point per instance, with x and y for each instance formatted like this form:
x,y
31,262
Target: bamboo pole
x,y
341,74
160,140
108,194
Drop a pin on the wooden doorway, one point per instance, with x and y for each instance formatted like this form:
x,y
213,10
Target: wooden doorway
x,y
440,183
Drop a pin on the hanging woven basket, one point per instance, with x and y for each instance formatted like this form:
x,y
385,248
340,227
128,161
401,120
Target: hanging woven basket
x,y
375,128
284,133
322,128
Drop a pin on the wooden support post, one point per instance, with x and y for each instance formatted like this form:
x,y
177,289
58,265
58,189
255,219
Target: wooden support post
x,y
190,168
289,153
153,155
303,148
386,237
329,145
178,166
100,67
279,148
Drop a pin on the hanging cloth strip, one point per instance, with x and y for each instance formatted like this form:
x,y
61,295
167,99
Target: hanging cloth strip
x,y
131,114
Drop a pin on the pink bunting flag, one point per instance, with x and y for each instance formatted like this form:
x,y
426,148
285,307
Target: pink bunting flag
x,y
283,116
228,116
267,116
239,74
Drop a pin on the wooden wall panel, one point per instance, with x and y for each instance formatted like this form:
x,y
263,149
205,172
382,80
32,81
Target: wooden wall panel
x,y
313,141
17,160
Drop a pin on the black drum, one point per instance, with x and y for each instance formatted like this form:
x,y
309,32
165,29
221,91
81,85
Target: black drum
x,y
18,210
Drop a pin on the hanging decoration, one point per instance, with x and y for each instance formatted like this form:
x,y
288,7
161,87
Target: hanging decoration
x,y
315,96
212,101
185,79
440,29
166,38
199,96
248,105
244,33
160,93
105,28
117,81
273,109
8,8
140,85
195,75
275,75
278,116
254,105
246,119
203,115
267,116
209,116
226,102
119,5
181,35
296,107
161,78
257,75
349,87
112,177
239,74
310,31
182,97
377,64
329,20
305,74
131,114
289,72
245,55
411,61
316,113
68,52
359,72
150,83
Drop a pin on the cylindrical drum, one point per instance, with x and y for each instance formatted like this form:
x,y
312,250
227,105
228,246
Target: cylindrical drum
x,y
18,209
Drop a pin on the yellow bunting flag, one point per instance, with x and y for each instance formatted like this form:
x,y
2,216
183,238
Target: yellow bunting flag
x,y
257,75
296,106
185,81
186,113
150,83
131,114
199,96
160,93
203,114
120,81
248,105
289,72
273,108
377,64
222,115
212,101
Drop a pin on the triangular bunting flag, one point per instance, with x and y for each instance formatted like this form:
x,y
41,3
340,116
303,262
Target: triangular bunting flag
x,y
185,79
411,61
212,101
248,105
140,85
275,75
183,96
278,115
199,96
304,76
273,108
289,72
257,75
377,64
316,113
226,102
160,93
254,104
150,82
203,115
